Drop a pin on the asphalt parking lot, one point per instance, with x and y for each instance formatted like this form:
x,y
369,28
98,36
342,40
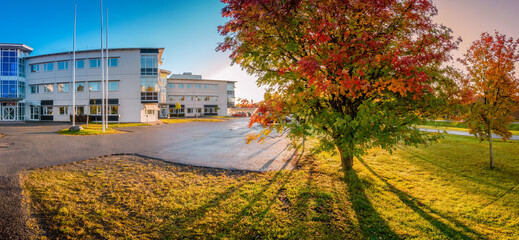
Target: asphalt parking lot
x,y
209,144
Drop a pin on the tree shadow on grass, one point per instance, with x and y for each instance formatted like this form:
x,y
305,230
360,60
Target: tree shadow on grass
x,y
420,209
372,225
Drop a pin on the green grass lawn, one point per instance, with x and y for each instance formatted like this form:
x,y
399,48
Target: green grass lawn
x,y
184,120
443,191
97,129
457,126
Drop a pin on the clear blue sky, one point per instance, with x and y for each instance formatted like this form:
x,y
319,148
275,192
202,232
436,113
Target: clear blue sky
x,y
188,29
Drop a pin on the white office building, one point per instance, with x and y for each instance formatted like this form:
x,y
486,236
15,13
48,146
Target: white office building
x,y
192,96
39,88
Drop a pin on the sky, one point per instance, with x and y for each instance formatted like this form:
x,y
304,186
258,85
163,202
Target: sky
x,y
187,29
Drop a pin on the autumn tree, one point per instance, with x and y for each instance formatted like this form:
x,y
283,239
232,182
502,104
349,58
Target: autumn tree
x,y
177,108
491,89
356,74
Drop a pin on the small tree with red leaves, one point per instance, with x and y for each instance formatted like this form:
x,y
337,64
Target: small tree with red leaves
x,y
491,90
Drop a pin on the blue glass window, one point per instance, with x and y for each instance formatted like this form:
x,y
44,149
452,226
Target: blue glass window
x,y
80,63
113,62
9,89
48,66
95,63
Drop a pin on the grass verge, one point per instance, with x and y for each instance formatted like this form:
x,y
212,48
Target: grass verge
x,y
184,120
97,129
443,191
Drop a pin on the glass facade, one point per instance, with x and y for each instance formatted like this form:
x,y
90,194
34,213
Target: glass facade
x,y
149,65
12,81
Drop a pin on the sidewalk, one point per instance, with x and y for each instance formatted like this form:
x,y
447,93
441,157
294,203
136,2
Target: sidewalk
x,y
462,133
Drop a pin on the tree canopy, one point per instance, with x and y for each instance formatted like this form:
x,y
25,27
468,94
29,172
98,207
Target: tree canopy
x,y
491,89
356,74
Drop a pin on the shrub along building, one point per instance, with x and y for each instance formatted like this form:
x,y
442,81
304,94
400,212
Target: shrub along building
x,y
39,88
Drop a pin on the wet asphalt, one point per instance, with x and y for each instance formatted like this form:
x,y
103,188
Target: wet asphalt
x,y
208,144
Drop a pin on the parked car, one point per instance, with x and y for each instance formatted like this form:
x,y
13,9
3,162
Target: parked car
x,y
239,114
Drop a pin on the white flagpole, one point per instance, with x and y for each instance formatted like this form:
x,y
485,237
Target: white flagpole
x,y
107,59
102,73
74,72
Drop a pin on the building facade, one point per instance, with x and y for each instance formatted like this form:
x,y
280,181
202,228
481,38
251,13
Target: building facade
x,y
40,88
192,96
13,81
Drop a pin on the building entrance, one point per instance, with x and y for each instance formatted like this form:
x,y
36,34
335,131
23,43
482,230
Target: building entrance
x,y
8,112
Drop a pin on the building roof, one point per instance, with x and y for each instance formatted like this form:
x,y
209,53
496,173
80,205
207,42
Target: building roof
x,y
16,46
190,76
161,50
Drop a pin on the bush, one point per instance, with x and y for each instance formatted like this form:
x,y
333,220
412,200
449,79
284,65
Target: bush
x,y
80,118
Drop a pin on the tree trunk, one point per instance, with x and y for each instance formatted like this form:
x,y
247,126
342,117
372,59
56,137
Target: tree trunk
x,y
491,149
346,160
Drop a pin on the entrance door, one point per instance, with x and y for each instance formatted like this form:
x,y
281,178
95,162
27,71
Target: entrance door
x,y
8,113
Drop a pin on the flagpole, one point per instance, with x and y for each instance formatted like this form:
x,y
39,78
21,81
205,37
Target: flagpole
x,y
74,71
107,62
102,74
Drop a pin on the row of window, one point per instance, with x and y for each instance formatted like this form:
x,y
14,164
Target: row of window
x,y
192,110
80,110
173,98
80,87
190,85
80,64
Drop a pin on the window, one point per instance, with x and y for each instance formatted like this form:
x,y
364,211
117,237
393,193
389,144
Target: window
x,y
199,110
230,86
171,85
80,110
95,86
206,98
48,88
210,86
199,86
171,98
35,113
149,65
95,110
63,110
180,85
189,85
63,65
9,62
113,62
63,87
35,89
47,111
95,63
199,98
149,85
80,64
80,87
113,86
35,68
113,110
189,98
213,99
150,112
189,110
48,67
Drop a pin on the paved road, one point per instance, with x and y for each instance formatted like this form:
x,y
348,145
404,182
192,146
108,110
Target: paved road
x,y
462,133
210,144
